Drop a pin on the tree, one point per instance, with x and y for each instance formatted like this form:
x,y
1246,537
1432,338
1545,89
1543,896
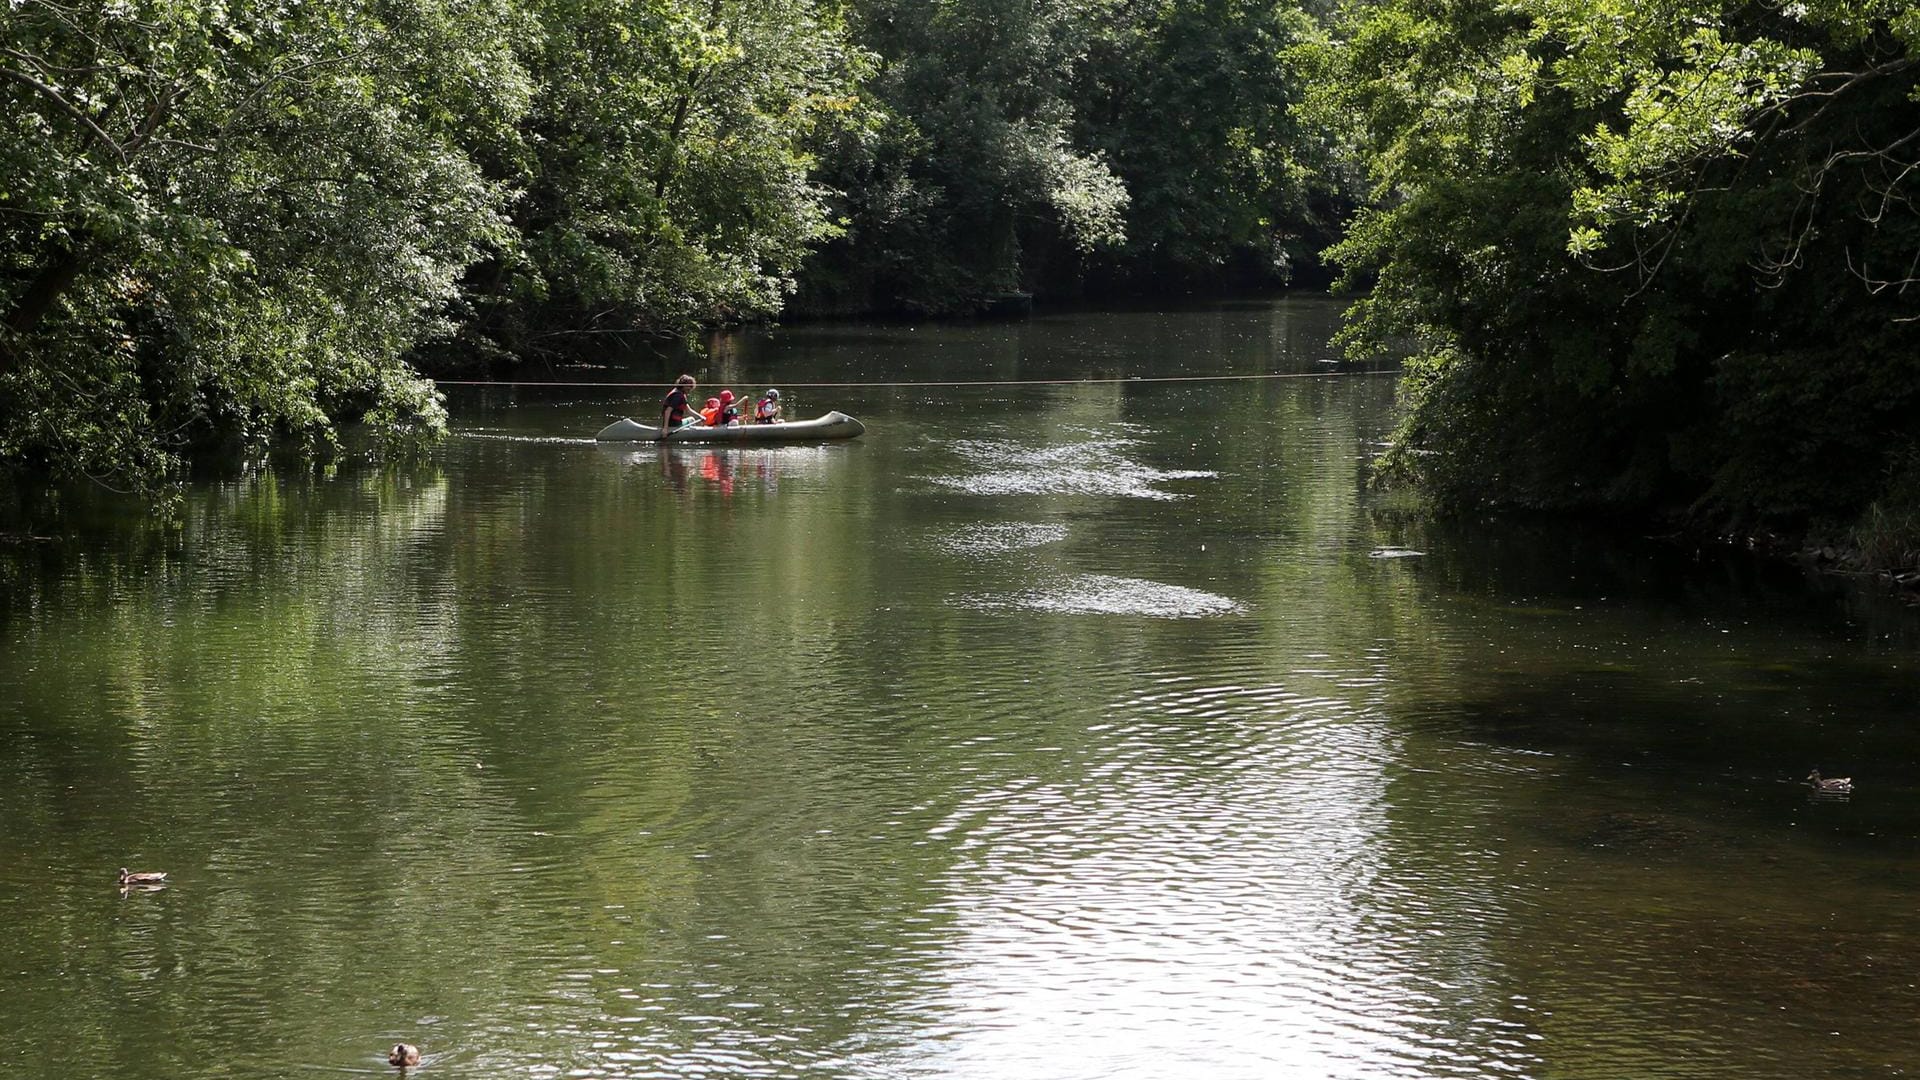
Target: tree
x,y
973,154
1649,255
229,223
1193,102
666,166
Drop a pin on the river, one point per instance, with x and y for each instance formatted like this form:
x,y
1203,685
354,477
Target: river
x,y
1090,717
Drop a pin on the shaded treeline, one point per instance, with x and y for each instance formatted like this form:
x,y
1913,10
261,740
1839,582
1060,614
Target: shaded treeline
x,y
1066,147
1651,257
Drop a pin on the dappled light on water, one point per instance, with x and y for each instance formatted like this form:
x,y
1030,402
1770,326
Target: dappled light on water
x,y
1094,467
1000,537
1104,594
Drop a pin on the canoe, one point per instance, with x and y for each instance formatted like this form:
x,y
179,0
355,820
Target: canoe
x,y
834,425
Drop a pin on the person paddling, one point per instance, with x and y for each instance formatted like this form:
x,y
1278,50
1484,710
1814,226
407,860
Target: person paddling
x,y
675,409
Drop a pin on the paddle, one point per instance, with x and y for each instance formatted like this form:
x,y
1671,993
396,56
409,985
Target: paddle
x,y
689,425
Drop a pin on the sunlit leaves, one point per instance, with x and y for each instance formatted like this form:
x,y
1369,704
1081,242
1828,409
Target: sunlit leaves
x,y
1089,198
1701,104
1644,253
231,225
1194,102
666,164
234,221
974,152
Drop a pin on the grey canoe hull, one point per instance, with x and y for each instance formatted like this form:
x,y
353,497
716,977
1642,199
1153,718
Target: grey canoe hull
x,y
834,425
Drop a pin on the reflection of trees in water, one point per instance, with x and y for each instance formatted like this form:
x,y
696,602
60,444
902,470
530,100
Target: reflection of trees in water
x,y
1654,859
391,730
1610,736
634,774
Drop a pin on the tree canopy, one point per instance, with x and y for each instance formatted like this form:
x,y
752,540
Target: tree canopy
x,y
1652,255
1648,255
1041,145
225,223
228,225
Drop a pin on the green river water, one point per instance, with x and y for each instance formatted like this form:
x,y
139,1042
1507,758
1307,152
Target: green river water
x,y
1053,729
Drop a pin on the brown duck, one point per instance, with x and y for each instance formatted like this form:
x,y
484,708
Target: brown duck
x,y
1830,785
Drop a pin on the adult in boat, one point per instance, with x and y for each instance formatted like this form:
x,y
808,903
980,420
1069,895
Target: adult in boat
x,y
675,409
767,410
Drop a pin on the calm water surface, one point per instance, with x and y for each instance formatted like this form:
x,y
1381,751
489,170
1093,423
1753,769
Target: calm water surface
x,y
1048,731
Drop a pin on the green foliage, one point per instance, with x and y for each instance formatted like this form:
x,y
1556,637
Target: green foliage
x,y
1649,255
1887,535
1193,102
665,165
228,224
1026,145
972,154
227,227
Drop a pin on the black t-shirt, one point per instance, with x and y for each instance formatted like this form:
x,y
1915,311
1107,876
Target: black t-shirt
x,y
675,406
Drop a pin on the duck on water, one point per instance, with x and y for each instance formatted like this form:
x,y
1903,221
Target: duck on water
x,y
1830,785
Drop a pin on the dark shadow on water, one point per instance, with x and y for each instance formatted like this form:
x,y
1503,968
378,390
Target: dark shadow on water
x,y
1560,562
1677,756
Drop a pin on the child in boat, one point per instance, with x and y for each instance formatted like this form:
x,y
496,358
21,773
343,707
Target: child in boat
x,y
710,411
727,414
767,410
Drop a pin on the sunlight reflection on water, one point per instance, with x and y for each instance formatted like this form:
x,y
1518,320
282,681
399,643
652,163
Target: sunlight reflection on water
x,y
1104,594
1188,899
1094,467
1000,537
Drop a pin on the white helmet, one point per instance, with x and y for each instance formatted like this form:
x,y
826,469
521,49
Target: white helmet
x,y
774,394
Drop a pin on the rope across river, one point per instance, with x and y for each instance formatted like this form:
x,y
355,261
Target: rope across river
x,y
941,382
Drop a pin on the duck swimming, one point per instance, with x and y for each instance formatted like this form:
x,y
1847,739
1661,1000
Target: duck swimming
x,y
403,1055
1832,785
143,877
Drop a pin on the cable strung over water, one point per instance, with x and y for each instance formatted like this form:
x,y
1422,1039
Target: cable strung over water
x,y
950,382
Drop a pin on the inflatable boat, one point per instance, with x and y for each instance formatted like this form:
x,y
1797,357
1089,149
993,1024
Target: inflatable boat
x,y
834,425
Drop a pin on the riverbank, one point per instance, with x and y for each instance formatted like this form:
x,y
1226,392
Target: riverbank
x,y
1815,552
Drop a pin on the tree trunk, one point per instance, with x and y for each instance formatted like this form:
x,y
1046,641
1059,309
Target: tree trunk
x,y
53,280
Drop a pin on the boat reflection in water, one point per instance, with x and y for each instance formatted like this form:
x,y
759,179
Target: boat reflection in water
x,y
725,468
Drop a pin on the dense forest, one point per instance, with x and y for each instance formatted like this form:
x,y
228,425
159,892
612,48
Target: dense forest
x,y
1644,258
1661,258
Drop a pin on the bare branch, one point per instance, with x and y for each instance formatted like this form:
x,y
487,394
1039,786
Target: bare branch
x,y
1876,286
1826,97
70,109
156,116
183,145
279,77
